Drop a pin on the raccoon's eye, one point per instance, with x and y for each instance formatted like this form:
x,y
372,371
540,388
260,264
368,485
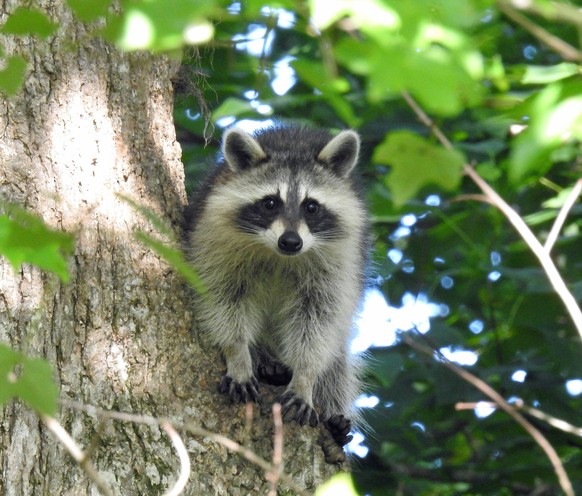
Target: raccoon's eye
x,y
269,203
311,207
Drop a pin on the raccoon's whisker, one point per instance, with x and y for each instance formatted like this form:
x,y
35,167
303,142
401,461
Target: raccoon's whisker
x,y
331,234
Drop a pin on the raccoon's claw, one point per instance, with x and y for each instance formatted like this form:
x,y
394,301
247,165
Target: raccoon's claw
x,y
339,427
274,373
239,392
295,408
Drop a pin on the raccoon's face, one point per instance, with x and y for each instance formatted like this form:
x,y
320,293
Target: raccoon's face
x,y
290,220
291,193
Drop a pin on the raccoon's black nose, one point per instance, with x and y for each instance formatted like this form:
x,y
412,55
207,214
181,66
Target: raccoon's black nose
x,y
290,242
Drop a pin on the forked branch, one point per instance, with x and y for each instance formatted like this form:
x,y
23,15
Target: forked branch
x,y
518,223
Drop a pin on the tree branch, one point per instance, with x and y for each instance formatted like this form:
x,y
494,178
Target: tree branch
x,y
534,412
487,390
559,11
518,223
561,218
184,460
565,50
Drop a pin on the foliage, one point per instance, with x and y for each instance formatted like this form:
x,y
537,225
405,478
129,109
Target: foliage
x,y
415,161
25,21
25,238
340,484
136,25
29,379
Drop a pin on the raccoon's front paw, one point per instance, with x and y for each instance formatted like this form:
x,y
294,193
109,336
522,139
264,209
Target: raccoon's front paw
x,y
295,408
339,427
274,373
239,392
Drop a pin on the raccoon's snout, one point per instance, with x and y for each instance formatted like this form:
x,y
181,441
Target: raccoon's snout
x,y
290,243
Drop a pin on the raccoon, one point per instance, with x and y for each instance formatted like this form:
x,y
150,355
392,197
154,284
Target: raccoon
x,y
279,234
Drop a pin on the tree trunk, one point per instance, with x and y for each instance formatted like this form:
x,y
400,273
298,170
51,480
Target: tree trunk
x,y
90,124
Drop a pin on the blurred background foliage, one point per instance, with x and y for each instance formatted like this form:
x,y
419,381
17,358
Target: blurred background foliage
x,y
447,264
501,79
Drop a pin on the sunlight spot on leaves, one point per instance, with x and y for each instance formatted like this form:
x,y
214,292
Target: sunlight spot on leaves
x,y
339,485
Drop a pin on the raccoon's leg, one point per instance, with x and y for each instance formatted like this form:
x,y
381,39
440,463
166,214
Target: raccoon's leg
x,y
240,386
307,352
295,407
232,329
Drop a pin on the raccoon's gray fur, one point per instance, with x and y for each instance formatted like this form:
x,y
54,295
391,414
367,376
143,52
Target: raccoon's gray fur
x,y
279,235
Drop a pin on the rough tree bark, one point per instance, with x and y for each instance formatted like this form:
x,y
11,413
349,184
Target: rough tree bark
x,y
91,123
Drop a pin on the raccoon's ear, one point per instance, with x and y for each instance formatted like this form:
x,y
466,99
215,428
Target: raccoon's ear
x,y
241,150
341,153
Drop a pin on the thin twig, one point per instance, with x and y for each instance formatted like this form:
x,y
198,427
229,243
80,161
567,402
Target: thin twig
x,y
486,389
558,11
426,120
562,215
565,50
518,223
536,247
534,412
479,198
193,429
184,460
273,477
76,452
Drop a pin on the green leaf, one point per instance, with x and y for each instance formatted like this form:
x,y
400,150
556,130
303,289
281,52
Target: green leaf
x,y
89,10
548,74
554,117
232,107
24,21
415,163
441,83
12,76
428,56
340,484
332,89
368,15
25,238
29,379
154,26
